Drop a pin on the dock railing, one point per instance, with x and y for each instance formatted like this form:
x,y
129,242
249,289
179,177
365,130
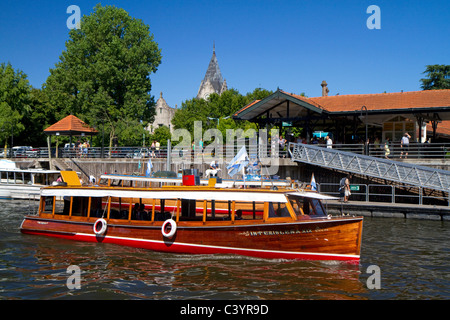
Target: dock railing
x,y
415,151
386,193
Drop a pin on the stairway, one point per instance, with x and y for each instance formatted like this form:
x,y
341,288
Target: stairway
x,y
415,175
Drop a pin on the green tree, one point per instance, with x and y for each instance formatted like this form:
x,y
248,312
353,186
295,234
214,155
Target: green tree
x,y
438,77
14,102
40,117
217,111
103,76
161,134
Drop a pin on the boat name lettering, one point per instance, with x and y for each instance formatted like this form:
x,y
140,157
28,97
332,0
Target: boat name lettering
x,y
41,222
282,232
276,232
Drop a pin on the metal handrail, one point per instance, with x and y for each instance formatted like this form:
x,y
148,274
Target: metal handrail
x,y
399,172
374,196
416,151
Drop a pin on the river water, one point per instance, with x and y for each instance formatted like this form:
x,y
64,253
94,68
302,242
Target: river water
x,y
411,259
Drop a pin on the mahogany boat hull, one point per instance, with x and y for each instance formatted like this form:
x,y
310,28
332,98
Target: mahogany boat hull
x,y
336,238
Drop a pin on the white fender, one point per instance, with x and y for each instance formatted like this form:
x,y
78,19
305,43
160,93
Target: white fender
x,y
102,229
173,228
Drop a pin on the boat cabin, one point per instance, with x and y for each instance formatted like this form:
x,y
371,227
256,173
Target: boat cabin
x,y
199,204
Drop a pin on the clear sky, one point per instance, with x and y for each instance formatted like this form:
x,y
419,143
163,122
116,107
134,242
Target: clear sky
x,y
292,45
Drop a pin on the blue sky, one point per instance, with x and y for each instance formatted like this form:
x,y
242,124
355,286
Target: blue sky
x,y
293,45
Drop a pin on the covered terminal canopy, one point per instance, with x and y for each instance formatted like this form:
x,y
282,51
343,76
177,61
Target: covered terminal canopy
x,y
341,114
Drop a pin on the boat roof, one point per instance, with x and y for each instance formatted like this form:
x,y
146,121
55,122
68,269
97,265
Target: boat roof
x,y
17,170
191,193
225,182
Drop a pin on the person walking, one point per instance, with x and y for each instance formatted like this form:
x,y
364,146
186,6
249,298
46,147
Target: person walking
x,y
344,188
329,142
387,151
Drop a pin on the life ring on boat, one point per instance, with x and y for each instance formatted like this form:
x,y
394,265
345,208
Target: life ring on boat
x,y
102,230
173,228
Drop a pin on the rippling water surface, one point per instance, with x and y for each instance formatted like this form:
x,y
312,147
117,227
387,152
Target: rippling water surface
x,y
413,257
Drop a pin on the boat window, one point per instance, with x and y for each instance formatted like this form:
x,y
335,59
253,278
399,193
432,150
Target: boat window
x,y
249,210
96,207
309,206
47,204
116,182
317,207
278,209
80,206
27,178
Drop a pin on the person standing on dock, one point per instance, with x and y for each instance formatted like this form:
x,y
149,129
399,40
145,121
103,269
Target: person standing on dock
x,y
344,188
404,144
329,142
387,151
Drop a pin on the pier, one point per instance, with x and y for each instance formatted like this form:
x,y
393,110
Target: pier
x,y
387,210
429,205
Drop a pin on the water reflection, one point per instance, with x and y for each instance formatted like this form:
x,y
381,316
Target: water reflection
x,y
119,272
412,255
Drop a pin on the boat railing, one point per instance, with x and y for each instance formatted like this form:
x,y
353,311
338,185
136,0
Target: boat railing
x,y
33,204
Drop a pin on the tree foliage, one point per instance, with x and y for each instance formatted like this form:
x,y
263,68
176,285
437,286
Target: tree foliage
x,y
438,77
217,111
103,76
14,101
161,134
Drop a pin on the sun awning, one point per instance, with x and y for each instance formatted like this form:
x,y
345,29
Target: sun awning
x,y
312,195
166,194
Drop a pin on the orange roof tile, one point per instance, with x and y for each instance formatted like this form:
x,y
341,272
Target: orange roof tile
x,y
70,124
305,99
383,101
246,107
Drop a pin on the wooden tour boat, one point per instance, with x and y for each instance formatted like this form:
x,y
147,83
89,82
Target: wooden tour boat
x,y
259,222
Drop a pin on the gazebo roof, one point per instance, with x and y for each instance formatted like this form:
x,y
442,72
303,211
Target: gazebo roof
x,y
70,125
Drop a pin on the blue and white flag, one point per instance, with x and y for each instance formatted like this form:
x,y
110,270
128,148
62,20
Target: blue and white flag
x,y
149,168
313,183
239,162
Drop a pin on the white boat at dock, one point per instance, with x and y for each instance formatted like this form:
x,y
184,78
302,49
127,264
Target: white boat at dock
x,y
16,183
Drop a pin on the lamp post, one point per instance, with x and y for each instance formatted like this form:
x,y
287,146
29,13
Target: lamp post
x,y
12,135
366,144
103,137
218,119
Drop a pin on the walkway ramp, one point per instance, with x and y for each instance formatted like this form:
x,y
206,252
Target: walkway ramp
x,y
418,176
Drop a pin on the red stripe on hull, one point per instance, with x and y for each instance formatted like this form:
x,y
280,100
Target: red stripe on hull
x,y
186,248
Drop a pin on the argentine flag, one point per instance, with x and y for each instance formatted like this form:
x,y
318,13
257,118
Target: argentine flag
x,y
313,183
238,162
149,168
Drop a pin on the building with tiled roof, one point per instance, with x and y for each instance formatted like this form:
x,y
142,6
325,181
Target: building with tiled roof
x,y
346,116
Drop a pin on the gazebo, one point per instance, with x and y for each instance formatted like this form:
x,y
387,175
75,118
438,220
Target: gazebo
x,y
70,126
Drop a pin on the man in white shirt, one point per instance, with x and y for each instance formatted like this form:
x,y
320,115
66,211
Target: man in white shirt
x,y
329,142
404,144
